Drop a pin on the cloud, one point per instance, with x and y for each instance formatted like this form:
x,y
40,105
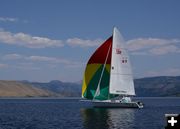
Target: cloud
x,y
83,43
75,65
41,58
139,46
26,67
27,40
35,62
139,53
8,19
153,46
35,58
3,65
51,61
164,50
12,57
143,43
11,19
167,72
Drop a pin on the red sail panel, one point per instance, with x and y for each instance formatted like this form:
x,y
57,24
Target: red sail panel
x,y
100,54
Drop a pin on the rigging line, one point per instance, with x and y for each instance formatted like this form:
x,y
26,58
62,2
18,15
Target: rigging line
x,y
98,88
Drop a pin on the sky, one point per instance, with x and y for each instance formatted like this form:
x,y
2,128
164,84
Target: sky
x,y
43,40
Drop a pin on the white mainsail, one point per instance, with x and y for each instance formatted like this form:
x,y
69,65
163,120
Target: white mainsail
x,y
121,79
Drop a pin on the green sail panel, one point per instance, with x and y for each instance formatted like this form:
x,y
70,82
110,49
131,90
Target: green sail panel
x,y
104,84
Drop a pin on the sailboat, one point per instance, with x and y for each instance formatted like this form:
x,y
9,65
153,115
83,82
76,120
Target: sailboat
x,y
108,79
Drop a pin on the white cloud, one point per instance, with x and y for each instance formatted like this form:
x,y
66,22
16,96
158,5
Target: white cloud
x,y
83,43
54,61
167,72
139,46
24,62
50,60
153,46
12,57
165,49
75,65
138,53
8,19
143,43
27,40
3,65
25,67
41,58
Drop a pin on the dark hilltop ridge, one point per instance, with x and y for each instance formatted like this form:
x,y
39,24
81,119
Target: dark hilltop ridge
x,y
162,86
158,86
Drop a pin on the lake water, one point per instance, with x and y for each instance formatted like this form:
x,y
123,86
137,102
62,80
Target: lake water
x,y
72,114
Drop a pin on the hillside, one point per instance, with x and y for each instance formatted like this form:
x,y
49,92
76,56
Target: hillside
x,y
158,86
144,87
19,89
65,89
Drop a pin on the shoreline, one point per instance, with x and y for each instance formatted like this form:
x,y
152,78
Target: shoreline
x,y
79,98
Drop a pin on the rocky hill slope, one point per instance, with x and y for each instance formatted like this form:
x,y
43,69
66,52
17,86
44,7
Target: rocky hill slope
x,y
19,89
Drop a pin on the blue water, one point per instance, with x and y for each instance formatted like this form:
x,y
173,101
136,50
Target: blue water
x,y
72,114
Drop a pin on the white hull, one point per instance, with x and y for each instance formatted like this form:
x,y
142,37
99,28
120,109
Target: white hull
x,y
117,104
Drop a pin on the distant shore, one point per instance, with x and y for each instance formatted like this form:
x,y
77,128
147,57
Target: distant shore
x,y
79,98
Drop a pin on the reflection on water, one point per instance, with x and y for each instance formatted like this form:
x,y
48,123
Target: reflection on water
x,y
104,118
71,114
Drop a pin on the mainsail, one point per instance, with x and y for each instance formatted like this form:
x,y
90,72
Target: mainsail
x,y
121,79
108,71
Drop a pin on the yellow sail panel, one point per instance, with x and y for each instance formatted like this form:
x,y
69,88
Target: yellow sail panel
x,y
108,67
89,72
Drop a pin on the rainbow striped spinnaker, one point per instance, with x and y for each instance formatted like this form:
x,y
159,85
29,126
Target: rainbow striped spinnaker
x,y
108,71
